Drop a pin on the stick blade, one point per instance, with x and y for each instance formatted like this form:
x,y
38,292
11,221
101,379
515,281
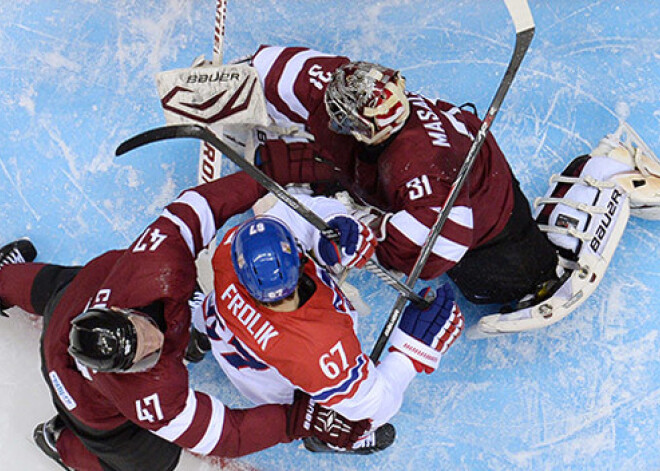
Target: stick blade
x,y
157,134
521,14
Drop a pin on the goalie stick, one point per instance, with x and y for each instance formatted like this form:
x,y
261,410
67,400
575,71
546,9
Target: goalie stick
x,y
210,159
524,24
200,132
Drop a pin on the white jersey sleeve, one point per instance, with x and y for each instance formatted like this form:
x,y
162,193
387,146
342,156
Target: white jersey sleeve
x,y
304,231
380,395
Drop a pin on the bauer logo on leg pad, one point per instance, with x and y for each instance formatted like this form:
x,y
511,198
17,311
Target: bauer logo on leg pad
x,y
602,230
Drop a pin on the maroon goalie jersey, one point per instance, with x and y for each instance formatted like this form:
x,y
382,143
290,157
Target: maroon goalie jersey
x,y
409,176
157,270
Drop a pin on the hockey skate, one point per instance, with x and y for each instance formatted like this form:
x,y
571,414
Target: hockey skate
x,y
45,436
642,181
19,251
373,442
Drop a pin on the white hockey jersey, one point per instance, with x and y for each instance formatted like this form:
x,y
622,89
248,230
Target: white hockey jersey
x,y
268,355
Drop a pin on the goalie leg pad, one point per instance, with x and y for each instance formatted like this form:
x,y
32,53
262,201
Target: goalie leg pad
x,y
643,192
642,180
584,214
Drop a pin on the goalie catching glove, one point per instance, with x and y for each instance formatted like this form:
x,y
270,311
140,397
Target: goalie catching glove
x,y
306,418
356,243
424,335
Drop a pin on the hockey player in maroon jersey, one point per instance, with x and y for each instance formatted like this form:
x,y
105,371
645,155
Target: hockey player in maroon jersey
x,y
115,333
400,152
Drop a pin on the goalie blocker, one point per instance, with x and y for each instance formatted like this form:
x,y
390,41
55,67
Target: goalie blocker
x,y
584,214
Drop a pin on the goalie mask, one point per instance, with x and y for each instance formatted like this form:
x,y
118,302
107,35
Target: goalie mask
x,y
367,101
265,258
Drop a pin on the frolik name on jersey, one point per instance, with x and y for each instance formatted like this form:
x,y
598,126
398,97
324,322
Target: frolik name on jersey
x,y
253,322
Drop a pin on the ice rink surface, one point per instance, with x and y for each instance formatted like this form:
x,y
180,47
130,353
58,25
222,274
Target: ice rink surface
x,y
78,78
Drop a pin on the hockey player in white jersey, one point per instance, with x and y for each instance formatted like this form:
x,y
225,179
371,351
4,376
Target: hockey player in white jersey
x,y
278,322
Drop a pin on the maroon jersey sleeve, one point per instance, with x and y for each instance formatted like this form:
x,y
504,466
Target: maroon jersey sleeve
x,y
160,400
294,80
201,211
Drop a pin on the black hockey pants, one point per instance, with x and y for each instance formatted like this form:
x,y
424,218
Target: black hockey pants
x,y
513,264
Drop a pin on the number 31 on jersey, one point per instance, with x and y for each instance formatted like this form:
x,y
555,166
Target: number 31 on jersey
x,y
419,187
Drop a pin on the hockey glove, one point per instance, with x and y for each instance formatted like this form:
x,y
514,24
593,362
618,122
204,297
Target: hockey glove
x,y
372,442
424,335
356,243
294,162
198,345
308,419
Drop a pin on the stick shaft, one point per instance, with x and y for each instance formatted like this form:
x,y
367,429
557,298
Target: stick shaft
x,y
208,137
219,31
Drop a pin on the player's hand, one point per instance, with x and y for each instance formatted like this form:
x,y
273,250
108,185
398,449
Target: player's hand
x,y
424,335
356,243
198,345
308,419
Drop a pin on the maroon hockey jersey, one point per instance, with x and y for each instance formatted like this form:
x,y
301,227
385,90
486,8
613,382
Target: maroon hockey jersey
x,y
409,176
157,268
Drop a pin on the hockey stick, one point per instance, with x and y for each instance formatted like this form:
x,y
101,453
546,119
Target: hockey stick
x,y
199,132
210,160
219,33
524,24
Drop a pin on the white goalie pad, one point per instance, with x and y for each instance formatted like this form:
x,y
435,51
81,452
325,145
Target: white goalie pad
x,y
228,99
213,96
642,182
584,216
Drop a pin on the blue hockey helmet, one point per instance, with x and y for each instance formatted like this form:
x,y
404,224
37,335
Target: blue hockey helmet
x,y
265,257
